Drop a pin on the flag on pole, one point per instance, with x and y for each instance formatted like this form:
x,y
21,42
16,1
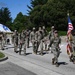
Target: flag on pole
x,y
70,27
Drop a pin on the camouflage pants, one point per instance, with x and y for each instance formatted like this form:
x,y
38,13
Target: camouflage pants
x,y
33,45
27,42
22,46
15,47
41,47
73,50
36,44
40,44
56,54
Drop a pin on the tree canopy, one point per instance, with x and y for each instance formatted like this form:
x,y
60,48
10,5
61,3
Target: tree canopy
x,y
5,17
41,12
51,12
20,22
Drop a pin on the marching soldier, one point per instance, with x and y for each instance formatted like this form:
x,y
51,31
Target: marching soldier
x,y
69,45
51,34
40,40
54,44
15,41
32,38
44,36
22,43
72,39
27,37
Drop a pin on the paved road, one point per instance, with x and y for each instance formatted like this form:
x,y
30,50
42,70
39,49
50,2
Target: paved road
x,y
41,65
12,69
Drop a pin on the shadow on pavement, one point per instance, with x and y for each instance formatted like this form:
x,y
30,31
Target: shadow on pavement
x,y
62,63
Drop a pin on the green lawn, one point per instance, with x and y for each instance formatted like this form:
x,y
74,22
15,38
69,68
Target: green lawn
x,y
1,55
62,33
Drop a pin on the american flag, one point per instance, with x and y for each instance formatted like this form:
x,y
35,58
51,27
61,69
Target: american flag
x,y
70,26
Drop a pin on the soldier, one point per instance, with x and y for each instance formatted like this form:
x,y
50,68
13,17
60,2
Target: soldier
x,y
32,38
72,57
1,40
27,37
51,34
15,41
69,45
22,43
54,44
44,36
40,40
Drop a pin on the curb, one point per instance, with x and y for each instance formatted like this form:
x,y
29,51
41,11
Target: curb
x,y
3,59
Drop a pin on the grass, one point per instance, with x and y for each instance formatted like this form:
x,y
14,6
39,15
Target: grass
x,y
1,55
62,33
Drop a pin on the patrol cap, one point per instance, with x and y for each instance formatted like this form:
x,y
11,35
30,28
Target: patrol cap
x,y
52,27
39,28
43,27
33,28
55,31
15,30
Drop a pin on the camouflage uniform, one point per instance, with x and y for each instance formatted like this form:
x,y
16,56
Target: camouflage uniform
x,y
51,35
54,44
73,46
22,43
32,39
44,36
27,37
1,40
40,40
15,40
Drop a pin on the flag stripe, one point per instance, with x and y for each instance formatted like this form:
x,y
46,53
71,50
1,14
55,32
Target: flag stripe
x,y
70,26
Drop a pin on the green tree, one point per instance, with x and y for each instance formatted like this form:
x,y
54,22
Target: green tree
x,y
51,12
20,22
35,13
5,17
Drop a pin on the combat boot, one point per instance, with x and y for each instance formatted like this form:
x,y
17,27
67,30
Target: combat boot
x,y
73,62
41,54
53,60
36,52
57,65
25,54
71,58
2,48
19,52
48,49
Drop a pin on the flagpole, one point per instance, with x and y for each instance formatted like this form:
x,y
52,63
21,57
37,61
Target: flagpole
x,y
68,14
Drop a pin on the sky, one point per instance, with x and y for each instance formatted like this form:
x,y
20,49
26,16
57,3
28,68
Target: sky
x,y
15,6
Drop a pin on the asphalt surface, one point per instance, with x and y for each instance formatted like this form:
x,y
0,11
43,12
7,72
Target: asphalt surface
x,y
36,64
12,69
